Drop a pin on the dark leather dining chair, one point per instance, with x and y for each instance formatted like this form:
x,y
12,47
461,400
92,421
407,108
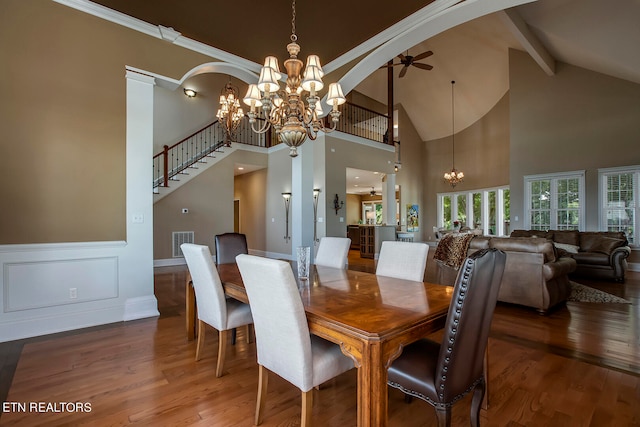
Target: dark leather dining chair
x,y
441,373
229,246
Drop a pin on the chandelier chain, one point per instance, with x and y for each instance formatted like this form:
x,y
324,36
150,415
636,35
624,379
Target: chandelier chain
x,y
294,37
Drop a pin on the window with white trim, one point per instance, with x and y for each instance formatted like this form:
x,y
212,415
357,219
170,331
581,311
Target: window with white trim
x,y
619,194
554,201
486,209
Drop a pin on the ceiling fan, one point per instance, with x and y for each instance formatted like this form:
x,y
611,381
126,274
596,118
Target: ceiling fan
x,y
408,60
372,192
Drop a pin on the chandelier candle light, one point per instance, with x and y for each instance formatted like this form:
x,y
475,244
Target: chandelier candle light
x,y
230,113
454,176
285,110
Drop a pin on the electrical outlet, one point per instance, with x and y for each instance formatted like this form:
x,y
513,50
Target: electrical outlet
x,y
73,293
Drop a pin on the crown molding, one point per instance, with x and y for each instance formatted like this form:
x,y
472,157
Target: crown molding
x,y
158,31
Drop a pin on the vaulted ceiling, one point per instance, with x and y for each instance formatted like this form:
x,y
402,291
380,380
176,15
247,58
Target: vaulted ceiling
x,y
593,34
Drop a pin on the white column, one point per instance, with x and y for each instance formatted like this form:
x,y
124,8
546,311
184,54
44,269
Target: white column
x,y
389,199
136,265
301,213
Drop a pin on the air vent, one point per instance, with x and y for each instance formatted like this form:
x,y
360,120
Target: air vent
x,y
178,238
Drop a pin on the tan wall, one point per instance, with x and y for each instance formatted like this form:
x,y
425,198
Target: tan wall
x,y
209,197
353,205
250,191
482,153
410,176
350,155
575,120
62,116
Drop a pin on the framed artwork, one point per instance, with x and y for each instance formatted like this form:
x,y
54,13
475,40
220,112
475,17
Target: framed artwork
x,y
412,218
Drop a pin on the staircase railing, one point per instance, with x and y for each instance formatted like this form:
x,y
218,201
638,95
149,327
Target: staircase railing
x,y
195,148
173,160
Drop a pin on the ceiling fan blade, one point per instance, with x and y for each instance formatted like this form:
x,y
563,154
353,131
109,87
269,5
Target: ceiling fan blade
x,y
423,66
404,71
423,55
402,57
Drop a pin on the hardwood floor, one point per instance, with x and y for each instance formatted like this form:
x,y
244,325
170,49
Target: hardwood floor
x,y
579,366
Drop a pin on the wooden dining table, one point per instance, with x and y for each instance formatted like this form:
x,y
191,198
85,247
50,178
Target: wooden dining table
x,y
370,317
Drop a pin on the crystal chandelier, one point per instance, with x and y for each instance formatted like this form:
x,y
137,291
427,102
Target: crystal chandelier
x,y
454,176
230,113
286,110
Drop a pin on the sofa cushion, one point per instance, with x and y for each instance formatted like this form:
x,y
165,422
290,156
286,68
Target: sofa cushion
x,y
532,233
568,237
592,258
572,249
606,245
600,242
479,242
525,244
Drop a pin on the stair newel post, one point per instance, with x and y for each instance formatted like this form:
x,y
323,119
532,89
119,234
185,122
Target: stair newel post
x,y
165,159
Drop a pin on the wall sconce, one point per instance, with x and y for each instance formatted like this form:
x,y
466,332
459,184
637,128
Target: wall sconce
x,y
316,193
287,198
190,93
337,204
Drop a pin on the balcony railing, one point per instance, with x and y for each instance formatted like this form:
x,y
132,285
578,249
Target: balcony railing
x,y
173,160
363,122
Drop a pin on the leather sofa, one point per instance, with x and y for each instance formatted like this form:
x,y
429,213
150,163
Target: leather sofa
x,y
598,254
533,276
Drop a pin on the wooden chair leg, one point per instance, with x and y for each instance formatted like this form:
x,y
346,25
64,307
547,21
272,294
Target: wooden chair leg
x,y
249,331
263,381
444,416
201,326
307,406
223,337
476,403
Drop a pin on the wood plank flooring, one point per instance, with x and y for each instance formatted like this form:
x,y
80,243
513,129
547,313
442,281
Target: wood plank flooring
x,y
579,366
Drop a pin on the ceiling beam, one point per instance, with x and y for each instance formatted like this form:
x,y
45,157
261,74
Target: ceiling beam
x,y
528,40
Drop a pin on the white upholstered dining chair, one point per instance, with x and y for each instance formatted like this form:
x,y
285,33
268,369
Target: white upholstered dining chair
x,y
284,344
333,252
403,260
214,309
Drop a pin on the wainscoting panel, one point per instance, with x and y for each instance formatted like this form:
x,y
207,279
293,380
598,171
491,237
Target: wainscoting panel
x,y
29,285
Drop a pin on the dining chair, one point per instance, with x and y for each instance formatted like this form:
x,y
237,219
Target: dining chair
x,y
333,252
213,308
228,246
441,373
402,260
284,344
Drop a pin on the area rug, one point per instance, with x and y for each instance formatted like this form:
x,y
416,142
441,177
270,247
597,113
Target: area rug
x,y
582,293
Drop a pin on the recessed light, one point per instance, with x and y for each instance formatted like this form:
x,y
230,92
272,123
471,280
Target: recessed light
x,y
190,92
240,168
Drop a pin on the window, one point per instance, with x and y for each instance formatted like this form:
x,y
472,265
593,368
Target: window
x,y
487,210
555,201
619,194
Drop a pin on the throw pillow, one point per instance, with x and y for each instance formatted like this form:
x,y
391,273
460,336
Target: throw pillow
x,y
606,245
572,249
